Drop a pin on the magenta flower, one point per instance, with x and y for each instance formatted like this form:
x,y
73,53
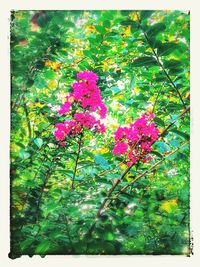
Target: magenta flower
x,y
88,76
120,148
85,95
136,139
65,108
60,135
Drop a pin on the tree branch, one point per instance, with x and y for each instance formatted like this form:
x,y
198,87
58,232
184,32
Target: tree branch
x,y
76,162
144,173
158,61
154,106
27,118
103,205
41,194
98,215
172,123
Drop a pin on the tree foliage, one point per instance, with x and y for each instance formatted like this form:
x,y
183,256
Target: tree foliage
x,y
142,60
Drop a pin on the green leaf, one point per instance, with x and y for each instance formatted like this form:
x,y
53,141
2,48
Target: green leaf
x,y
157,154
182,134
42,21
100,29
128,22
23,154
87,53
101,161
106,23
130,102
43,248
146,14
172,64
160,77
115,89
159,121
26,243
40,83
182,156
69,24
132,82
132,230
51,206
38,142
167,48
138,213
49,74
144,61
108,236
155,29
162,146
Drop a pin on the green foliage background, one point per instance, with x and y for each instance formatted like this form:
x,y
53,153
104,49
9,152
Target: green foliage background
x,y
142,59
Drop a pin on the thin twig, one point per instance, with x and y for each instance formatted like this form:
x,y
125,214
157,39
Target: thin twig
x,y
154,106
41,193
68,233
172,123
158,61
147,171
103,205
76,162
27,118
98,215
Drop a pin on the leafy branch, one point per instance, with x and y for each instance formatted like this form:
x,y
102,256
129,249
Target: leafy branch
x,y
48,175
27,118
146,172
77,158
158,60
117,181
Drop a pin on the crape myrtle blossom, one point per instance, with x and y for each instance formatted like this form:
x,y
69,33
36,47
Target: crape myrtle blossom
x,y
87,94
136,140
77,124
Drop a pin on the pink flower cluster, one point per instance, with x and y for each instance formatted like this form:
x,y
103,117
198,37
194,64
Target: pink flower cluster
x,y
86,96
85,92
136,140
76,126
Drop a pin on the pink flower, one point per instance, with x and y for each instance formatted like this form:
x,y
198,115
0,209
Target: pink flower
x,y
65,108
61,126
60,136
88,121
147,159
103,110
120,148
120,133
88,94
85,95
87,75
102,128
62,144
138,137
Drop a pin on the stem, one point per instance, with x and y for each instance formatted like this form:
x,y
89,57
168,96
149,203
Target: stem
x,y
68,233
180,223
172,123
144,173
48,175
103,205
41,193
27,119
159,62
76,162
98,215
156,100
76,62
